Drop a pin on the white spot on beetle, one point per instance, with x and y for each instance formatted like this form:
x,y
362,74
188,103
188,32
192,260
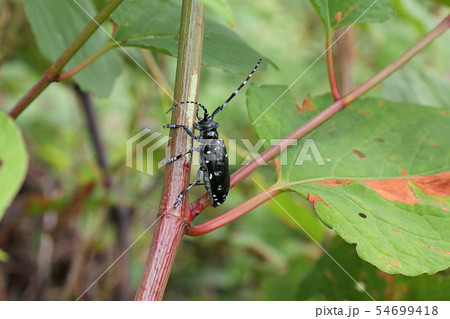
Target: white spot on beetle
x,y
207,161
210,176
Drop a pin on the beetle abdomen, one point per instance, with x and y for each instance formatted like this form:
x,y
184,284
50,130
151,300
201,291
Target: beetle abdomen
x,y
216,174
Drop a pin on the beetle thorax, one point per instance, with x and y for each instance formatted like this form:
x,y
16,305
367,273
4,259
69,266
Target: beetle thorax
x,y
207,129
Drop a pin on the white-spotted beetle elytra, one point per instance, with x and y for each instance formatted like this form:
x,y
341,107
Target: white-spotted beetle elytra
x,y
213,157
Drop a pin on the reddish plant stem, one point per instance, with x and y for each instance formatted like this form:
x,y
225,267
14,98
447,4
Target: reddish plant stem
x,y
201,203
330,67
51,75
235,213
173,222
160,260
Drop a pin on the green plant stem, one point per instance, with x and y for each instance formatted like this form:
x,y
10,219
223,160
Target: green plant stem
x,y
172,223
51,75
306,128
64,76
330,67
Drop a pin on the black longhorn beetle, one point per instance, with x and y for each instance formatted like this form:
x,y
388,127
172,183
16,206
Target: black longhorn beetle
x,y
213,157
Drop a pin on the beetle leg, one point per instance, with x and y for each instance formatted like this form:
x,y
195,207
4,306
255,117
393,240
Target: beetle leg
x,y
188,131
173,159
196,183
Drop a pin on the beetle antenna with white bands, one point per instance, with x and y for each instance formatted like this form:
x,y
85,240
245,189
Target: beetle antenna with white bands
x,y
186,102
236,92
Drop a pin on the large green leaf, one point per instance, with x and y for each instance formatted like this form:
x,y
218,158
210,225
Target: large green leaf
x,y
336,14
385,182
155,25
13,161
55,25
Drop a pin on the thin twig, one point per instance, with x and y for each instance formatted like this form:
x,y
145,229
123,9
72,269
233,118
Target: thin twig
x,y
235,213
94,130
64,76
52,73
330,67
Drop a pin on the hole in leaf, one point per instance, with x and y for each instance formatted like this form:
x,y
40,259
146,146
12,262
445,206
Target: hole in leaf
x,y
362,215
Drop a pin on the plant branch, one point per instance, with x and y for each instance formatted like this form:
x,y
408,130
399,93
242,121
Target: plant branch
x,y
51,75
172,223
330,67
87,106
64,76
235,213
201,203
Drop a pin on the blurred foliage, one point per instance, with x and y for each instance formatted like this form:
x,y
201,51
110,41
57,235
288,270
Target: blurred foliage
x,y
60,235
327,281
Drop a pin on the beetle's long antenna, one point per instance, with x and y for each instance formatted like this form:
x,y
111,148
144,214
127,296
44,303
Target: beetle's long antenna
x,y
236,92
185,102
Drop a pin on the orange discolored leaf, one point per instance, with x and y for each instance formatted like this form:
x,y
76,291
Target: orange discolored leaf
x,y
399,190
314,199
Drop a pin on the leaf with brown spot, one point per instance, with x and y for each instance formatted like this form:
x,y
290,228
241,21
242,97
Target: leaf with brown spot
x,y
394,187
336,14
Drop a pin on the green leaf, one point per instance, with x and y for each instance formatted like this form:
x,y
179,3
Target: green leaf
x,y
55,25
377,172
222,7
336,14
4,257
13,161
155,25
